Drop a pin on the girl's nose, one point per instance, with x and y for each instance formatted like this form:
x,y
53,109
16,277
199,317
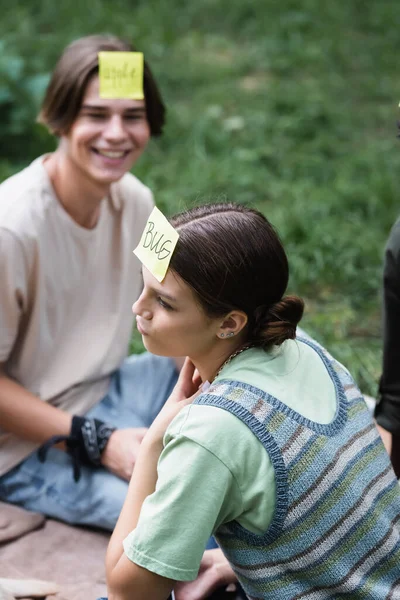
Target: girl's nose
x,y
139,309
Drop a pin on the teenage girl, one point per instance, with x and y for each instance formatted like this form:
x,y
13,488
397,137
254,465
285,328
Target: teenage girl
x,y
276,454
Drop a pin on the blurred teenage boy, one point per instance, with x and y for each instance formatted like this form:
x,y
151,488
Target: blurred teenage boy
x,y
68,225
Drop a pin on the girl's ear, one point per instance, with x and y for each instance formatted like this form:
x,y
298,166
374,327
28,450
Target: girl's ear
x,y
233,324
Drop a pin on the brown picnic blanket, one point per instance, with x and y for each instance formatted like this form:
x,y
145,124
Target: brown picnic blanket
x,y
32,547
15,522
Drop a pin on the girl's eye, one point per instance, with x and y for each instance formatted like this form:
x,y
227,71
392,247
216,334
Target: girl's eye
x,y
162,303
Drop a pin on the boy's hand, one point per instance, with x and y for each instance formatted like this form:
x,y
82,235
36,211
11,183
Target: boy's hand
x,y
119,455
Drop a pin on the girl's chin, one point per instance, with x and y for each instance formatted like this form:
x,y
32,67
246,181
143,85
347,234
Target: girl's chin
x,y
153,348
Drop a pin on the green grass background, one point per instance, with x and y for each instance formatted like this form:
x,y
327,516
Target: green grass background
x,y
288,106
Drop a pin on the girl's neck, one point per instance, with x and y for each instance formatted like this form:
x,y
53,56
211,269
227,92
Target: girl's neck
x,y
211,365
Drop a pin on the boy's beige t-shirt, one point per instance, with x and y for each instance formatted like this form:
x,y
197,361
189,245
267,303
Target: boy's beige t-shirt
x,y
66,293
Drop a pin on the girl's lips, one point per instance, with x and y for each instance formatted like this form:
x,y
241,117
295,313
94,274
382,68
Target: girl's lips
x,y
139,327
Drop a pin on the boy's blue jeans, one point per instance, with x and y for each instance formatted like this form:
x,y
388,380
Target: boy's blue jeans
x,y
136,394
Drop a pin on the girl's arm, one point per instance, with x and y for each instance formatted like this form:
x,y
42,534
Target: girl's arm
x,y
125,579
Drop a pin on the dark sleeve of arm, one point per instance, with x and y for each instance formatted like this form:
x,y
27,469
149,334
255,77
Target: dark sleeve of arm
x,y
388,408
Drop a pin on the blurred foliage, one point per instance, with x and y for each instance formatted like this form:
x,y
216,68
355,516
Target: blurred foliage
x,y
21,90
290,107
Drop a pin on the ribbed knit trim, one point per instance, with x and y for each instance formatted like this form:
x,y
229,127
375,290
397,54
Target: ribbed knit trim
x,y
275,455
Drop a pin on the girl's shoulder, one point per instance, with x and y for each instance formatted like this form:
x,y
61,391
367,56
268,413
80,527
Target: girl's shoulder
x,y
217,431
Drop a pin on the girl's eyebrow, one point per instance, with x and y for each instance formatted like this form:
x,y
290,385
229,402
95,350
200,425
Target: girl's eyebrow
x,y
166,296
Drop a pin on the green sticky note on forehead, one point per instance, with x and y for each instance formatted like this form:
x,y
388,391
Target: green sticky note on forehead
x,y
121,75
157,244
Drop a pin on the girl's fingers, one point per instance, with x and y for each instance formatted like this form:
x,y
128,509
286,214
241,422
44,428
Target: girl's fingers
x,y
197,381
190,366
187,369
186,374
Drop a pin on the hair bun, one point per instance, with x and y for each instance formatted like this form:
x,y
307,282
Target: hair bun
x,y
277,323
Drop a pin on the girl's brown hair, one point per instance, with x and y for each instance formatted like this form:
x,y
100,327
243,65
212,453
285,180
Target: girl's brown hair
x,y
232,258
76,66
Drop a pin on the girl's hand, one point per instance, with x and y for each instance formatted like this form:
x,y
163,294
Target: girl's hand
x,y
184,392
215,572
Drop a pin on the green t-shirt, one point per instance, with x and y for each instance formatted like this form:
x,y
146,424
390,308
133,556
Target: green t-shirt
x,y
213,469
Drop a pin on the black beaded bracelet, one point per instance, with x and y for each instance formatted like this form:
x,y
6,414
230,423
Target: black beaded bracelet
x,y
85,443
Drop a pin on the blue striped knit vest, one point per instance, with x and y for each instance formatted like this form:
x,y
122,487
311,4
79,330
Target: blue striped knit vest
x,y
335,531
